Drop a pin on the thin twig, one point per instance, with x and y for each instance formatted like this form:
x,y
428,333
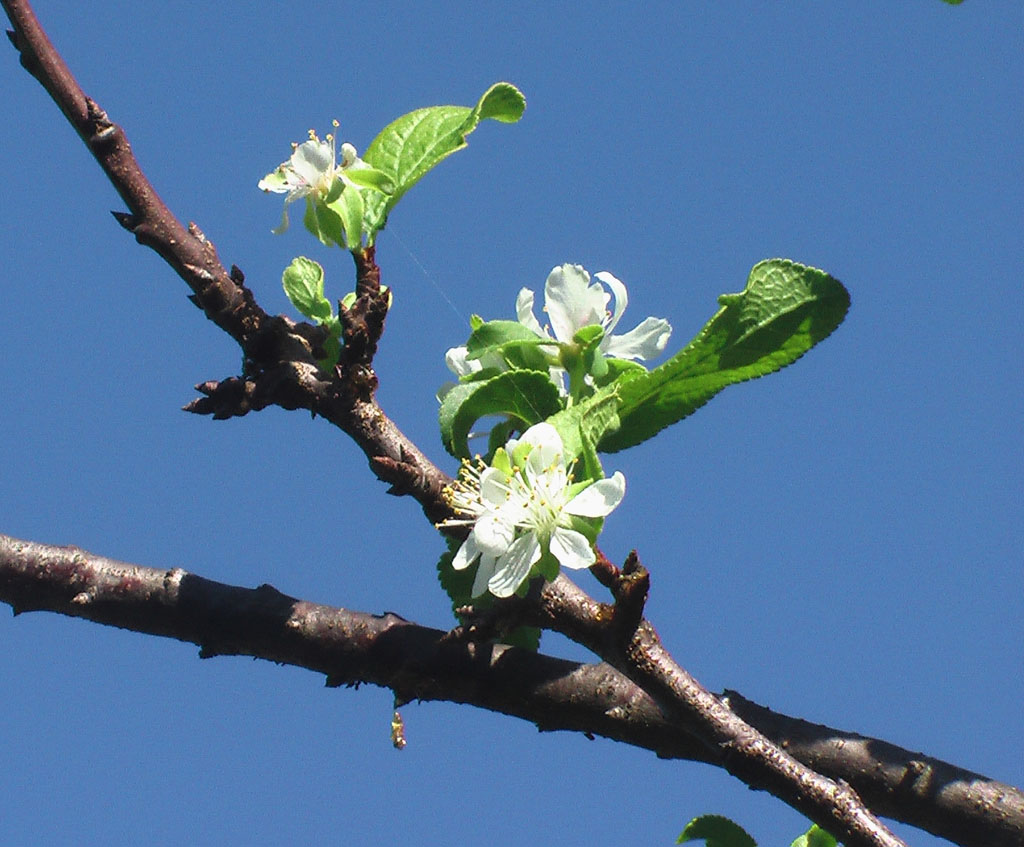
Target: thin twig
x,y
281,354
630,644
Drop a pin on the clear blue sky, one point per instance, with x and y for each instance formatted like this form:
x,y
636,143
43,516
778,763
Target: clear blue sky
x,y
840,541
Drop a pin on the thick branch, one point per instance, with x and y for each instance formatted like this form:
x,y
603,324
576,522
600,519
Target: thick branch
x,y
421,663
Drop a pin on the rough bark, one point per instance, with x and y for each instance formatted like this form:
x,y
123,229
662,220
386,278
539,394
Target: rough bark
x,y
421,663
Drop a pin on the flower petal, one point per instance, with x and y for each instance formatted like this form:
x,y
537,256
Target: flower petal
x,y
493,534
515,566
645,341
458,364
466,553
621,299
524,312
483,575
546,449
571,548
571,302
541,434
275,181
311,160
599,499
494,490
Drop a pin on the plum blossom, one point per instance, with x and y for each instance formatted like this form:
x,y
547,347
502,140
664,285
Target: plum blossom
x,y
313,171
573,302
521,507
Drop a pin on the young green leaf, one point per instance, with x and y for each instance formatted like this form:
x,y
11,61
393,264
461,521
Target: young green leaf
x,y
525,396
413,144
815,837
716,831
303,282
519,346
349,208
785,310
584,424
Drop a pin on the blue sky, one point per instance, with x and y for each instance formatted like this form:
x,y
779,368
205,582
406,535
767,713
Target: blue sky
x,y
841,540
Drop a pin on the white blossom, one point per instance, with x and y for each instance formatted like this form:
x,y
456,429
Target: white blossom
x,y
521,507
573,302
313,169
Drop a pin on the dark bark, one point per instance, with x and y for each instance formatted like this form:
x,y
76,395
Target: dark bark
x,y
421,663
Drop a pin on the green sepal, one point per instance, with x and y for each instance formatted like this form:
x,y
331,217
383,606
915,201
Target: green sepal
x,y
783,312
323,222
717,831
526,397
410,146
370,178
547,567
583,358
617,368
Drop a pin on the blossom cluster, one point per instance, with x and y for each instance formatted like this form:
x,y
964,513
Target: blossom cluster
x,y
524,506
571,302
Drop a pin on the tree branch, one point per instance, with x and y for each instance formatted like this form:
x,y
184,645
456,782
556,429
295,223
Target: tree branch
x,y
280,354
226,301
420,663
281,369
623,638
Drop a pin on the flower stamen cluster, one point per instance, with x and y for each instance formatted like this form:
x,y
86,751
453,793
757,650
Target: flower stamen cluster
x,y
313,171
525,506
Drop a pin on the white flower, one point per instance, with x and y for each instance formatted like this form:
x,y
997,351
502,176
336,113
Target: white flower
x,y
573,302
521,507
313,169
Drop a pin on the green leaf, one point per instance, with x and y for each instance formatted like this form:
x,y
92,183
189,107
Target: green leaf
x,y
785,310
457,584
525,396
349,208
332,346
519,346
717,831
413,144
815,837
527,637
303,282
584,424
